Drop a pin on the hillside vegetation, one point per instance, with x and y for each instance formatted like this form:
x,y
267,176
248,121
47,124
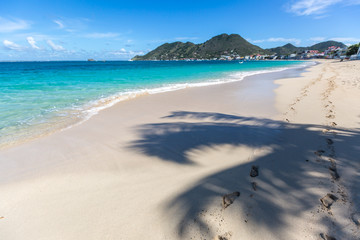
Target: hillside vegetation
x,y
224,44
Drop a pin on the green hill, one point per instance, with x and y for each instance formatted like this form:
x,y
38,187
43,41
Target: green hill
x,y
223,44
230,45
170,51
289,48
226,44
325,45
286,49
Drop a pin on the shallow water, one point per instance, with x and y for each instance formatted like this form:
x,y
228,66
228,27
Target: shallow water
x,y
37,98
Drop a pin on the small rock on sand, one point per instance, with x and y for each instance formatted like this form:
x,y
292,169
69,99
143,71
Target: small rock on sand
x,y
328,200
254,171
228,199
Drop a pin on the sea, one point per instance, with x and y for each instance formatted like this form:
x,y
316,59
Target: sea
x,y
38,98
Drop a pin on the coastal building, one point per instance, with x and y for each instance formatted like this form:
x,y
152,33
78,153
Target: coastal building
x,y
335,52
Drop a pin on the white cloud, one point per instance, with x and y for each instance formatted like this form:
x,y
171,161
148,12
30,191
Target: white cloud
x,y
32,42
317,7
279,39
72,24
346,39
7,25
102,35
318,39
54,46
12,46
257,41
59,23
120,52
124,53
309,7
352,2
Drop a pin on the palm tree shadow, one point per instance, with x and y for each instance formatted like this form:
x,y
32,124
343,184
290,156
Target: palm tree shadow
x,y
286,173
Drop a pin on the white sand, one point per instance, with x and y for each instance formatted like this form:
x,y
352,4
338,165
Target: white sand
x,y
156,167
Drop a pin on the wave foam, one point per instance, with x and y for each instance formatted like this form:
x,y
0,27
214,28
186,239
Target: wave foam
x,y
94,107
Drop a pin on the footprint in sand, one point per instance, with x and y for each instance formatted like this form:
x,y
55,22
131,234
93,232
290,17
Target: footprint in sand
x,y
328,200
356,218
333,172
254,185
327,237
254,172
319,152
228,199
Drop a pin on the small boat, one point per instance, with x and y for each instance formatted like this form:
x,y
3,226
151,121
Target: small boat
x,y
241,62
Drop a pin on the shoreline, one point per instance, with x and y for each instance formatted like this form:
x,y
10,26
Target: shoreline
x,y
160,172
94,107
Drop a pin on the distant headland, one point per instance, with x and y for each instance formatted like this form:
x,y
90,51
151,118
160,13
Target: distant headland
x,y
234,47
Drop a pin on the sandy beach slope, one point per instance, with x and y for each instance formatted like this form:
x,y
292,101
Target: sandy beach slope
x,y
177,165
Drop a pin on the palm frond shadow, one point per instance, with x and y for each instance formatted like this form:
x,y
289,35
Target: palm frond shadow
x,y
284,172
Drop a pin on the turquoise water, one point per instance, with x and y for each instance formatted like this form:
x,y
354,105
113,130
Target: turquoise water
x,y
39,97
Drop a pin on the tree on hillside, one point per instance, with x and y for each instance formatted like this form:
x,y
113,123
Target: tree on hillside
x,y
353,49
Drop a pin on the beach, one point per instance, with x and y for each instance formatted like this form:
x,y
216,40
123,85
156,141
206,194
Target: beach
x,y
177,165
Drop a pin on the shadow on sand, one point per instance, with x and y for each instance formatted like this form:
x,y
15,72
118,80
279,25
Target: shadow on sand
x,y
287,173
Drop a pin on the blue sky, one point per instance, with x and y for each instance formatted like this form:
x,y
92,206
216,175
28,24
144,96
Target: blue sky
x,y
101,29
